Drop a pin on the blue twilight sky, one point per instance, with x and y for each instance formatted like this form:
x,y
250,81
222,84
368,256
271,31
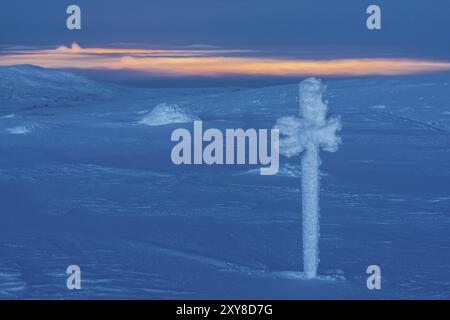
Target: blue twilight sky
x,y
331,28
283,29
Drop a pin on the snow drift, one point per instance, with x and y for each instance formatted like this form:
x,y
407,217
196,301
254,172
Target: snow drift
x,y
166,113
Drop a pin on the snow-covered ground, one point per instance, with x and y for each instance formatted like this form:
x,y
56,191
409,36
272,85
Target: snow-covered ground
x,y
86,178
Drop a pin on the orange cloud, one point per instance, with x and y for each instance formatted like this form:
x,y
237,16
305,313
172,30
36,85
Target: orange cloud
x,y
216,66
75,48
213,63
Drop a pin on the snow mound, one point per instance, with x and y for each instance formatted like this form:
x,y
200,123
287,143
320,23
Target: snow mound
x,y
19,130
379,107
23,128
166,113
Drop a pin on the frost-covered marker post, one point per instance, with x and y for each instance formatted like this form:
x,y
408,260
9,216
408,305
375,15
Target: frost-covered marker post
x,y
306,135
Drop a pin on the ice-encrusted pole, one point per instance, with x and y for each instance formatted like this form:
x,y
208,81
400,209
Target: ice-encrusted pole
x,y
306,135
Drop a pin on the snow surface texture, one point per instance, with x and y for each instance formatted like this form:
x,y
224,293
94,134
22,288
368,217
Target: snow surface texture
x,y
87,186
306,134
165,113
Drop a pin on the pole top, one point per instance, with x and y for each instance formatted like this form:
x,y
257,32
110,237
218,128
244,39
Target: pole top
x,y
311,105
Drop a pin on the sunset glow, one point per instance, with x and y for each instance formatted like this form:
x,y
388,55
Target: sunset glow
x,y
211,62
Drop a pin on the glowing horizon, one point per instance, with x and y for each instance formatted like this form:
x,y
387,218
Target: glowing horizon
x,y
212,62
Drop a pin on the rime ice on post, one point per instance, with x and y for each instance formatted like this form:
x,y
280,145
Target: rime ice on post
x,y
306,135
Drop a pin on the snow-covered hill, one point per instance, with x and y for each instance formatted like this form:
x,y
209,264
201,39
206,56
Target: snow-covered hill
x,y
26,83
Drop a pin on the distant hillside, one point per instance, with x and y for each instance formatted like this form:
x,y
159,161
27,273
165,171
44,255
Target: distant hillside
x,y
32,83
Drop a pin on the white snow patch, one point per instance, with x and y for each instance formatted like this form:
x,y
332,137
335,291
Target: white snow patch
x,y
295,275
19,130
166,113
287,170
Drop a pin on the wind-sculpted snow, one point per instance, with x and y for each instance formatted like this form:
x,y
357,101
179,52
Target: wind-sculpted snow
x,y
88,186
11,283
166,113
